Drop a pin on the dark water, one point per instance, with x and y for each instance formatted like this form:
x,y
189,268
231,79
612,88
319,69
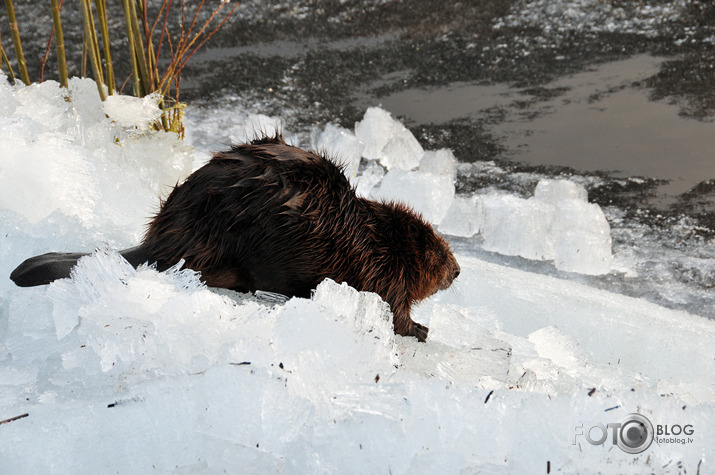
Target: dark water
x,y
602,120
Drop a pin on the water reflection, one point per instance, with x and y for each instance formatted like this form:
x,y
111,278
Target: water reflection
x,y
601,120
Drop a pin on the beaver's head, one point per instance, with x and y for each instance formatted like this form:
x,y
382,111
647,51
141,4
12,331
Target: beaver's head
x,y
441,268
427,262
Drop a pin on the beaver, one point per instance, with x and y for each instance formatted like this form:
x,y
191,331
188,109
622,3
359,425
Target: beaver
x,y
269,216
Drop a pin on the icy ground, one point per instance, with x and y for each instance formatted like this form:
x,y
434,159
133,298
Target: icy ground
x,y
134,371
558,16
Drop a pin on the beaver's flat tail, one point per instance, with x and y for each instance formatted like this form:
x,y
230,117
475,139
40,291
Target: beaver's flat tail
x,y
41,270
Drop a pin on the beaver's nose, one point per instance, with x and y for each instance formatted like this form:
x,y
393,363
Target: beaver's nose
x,y
456,271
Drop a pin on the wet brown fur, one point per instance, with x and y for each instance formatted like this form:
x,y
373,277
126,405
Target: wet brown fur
x,y
269,216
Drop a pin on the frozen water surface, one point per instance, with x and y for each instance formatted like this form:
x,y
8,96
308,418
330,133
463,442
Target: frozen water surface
x,y
146,372
598,122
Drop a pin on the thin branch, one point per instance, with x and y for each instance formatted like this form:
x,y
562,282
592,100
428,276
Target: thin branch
x,y
180,57
14,418
208,37
46,56
164,29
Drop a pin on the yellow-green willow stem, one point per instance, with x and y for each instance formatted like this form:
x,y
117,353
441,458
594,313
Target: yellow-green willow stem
x,y
136,46
151,66
3,57
16,41
93,47
59,43
104,29
132,53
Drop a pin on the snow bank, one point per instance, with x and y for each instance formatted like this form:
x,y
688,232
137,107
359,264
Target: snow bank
x,y
164,374
64,150
138,371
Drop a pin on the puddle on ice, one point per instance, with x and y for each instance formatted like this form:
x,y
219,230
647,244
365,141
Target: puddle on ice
x,y
602,122
455,101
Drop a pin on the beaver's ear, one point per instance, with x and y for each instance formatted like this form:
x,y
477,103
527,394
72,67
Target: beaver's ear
x,y
417,233
413,228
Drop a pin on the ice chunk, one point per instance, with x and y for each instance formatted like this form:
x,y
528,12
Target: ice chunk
x,y
369,179
402,151
102,171
582,236
557,191
463,217
92,276
87,112
340,145
427,193
517,227
461,348
438,162
29,326
375,129
582,239
557,223
387,140
367,313
14,376
130,111
47,105
339,326
148,313
429,189
34,160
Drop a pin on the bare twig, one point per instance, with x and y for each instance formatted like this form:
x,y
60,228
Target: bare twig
x,y
14,418
185,48
146,53
46,56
